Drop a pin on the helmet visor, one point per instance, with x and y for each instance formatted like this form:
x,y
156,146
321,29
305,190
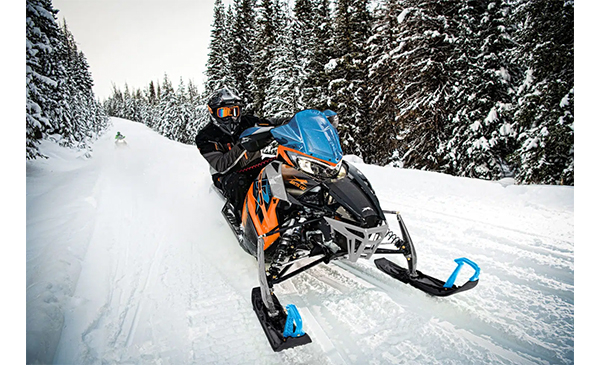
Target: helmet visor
x,y
228,111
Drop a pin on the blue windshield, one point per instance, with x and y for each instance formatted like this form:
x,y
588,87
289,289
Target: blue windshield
x,y
310,132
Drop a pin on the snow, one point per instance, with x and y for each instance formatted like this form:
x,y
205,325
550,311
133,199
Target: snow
x,y
403,15
130,261
492,116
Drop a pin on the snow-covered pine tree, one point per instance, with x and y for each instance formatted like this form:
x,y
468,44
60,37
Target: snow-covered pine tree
x,y
242,51
480,133
266,38
303,31
545,99
42,37
348,72
85,118
283,95
154,104
181,114
218,73
230,24
383,92
196,106
59,96
428,31
166,108
315,88
114,103
151,94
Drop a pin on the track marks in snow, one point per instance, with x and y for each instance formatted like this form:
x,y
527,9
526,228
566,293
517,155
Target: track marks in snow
x,y
401,325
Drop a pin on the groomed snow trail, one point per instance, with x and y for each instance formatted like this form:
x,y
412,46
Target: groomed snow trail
x,y
129,261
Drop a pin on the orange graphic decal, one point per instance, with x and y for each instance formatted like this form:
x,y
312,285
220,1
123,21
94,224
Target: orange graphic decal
x,y
299,183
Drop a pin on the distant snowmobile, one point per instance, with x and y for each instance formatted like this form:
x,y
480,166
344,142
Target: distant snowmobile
x,y
120,139
308,206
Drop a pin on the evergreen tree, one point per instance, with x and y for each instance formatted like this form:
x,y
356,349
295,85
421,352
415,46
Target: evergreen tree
x,y
303,32
349,82
242,51
59,96
42,35
283,93
195,108
266,38
316,85
79,119
545,99
384,83
428,31
166,108
151,94
480,132
218,69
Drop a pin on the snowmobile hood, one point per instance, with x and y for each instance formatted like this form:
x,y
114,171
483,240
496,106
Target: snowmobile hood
x,y
310,133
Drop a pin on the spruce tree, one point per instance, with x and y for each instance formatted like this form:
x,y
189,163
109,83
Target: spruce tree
x,y
480,134
303,31
283,95
428,31
384,92
349,73
42,36
545,99
218,73
266,38
59,96
242,51
316,85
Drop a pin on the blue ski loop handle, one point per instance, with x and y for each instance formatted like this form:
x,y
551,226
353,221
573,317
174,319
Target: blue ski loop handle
x,y
450,282
293,318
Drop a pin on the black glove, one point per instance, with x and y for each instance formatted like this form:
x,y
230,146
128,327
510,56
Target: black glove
x,y
256,142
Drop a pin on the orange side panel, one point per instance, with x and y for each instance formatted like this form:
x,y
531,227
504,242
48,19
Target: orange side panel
x,y
269,221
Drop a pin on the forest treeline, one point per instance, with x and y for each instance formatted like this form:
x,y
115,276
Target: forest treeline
x,y
60,101
473,88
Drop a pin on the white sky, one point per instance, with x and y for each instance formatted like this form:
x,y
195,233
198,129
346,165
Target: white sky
x,y
138,41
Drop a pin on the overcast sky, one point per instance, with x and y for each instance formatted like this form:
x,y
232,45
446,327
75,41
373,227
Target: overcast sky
x,y
138,41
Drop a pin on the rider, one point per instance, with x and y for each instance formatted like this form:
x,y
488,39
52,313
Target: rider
x,y
232,167
119,136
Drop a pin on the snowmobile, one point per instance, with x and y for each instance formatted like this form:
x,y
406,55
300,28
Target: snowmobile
x,y
120,139
308,206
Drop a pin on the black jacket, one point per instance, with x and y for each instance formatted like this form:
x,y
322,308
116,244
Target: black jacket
x,y
223,151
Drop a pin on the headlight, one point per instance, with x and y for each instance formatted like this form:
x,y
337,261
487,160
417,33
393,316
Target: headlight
x,y
318,169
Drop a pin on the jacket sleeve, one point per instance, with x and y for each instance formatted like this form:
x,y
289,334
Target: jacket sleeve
x,y
220,158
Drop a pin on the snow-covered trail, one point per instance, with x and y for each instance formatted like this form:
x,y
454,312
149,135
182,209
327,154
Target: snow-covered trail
x,y
130,261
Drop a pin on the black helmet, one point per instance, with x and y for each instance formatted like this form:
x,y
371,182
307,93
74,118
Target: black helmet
x,y
225,108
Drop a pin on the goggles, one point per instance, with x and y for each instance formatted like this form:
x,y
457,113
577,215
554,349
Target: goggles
x,y
228,111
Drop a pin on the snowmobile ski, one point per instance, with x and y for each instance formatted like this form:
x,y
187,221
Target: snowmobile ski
x,y
426,283
282,323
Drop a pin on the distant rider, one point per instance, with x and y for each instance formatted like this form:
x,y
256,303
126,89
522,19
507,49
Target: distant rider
x,y
119,136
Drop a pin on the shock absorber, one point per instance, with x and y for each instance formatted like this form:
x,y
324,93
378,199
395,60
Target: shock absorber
x,y
286,245
394,238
